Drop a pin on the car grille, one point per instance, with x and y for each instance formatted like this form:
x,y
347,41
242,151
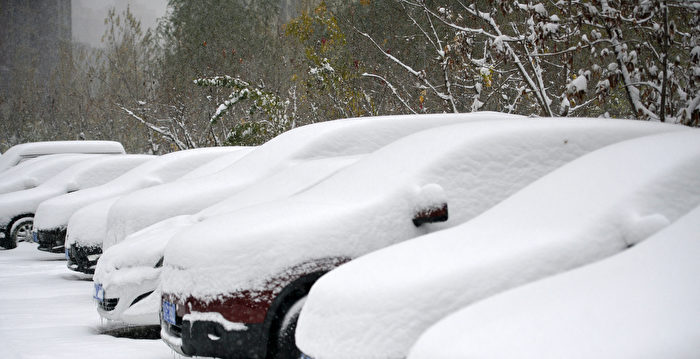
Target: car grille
x,y
79,255
51,240
108,304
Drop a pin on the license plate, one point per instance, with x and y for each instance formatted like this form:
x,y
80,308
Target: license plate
x,y
35,237
67,255
99,293
169,312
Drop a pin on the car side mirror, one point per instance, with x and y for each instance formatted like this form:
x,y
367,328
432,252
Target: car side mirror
x,y
431,215
431,205
72,187
30,182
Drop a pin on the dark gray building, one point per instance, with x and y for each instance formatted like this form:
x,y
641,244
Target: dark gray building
x,y
32,35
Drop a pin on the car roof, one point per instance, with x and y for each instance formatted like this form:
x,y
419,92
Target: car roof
x,y
24,151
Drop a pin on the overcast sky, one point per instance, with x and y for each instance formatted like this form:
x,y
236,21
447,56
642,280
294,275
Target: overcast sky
x,y
89,15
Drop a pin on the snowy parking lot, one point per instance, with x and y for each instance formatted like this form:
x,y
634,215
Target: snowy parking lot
x,y
47,311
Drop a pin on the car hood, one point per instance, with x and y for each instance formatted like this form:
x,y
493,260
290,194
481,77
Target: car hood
x,y
88,225
25,202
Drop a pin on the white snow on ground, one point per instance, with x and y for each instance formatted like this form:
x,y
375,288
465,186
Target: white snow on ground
x,y
126,270
36,171
85,174
45,312
55,212
320,140
591,208
33,149
88,225
642,303
370,204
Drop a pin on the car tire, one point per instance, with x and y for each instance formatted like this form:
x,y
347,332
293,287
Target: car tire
x,y
21,231
286,344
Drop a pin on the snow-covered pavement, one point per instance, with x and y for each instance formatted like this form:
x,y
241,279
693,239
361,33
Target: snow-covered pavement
x,y
46,311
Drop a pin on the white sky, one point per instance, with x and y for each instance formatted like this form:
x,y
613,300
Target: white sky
x,y
88,16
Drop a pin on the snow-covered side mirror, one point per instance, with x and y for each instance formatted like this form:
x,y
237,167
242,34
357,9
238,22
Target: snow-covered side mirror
x,y
30,182
151,181
72,186
431,205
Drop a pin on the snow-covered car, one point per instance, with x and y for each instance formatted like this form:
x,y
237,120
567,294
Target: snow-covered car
x,y
232,284
589,209
296,169
641,303
345,137
36,171
52,215
19,153
87,227
17,208
128,274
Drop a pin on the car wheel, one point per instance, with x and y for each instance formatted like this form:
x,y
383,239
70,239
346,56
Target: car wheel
x,y
286,345
21,230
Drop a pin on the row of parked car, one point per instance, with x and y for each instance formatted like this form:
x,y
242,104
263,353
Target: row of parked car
x,y
387,237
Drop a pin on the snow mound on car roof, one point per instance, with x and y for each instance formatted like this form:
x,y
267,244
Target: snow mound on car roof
x,y
369,205
27,150
36,171
85,174
55,212
88,226
218,163
593,207
642,303
327,139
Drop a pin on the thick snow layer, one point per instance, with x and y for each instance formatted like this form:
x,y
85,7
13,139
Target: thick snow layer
x,y
321,140
370,204
36,171
125,268
48,313
591,208
55,212
642,303
218,163
85,174
146,247
18,153
88,226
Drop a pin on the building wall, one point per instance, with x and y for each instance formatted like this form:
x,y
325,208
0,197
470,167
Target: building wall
x,y
32,36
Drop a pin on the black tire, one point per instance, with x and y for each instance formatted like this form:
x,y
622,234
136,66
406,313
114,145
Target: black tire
x,y
20,227
21,230
285,347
